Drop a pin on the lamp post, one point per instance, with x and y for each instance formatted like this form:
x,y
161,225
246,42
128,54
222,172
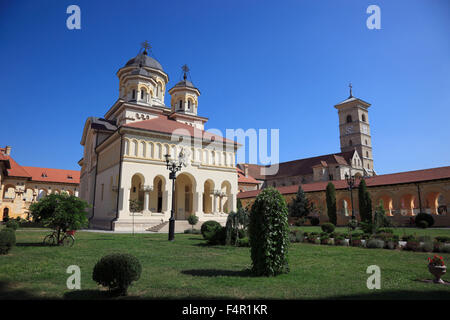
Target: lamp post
x,y
173,166
351,183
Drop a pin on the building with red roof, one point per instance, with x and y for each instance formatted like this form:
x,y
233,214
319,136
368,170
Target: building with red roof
x,y
20,186
125,153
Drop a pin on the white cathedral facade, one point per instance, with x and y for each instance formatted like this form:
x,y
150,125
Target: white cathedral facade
x,y
125,155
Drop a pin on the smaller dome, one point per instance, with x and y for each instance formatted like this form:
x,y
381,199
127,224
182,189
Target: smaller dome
x,y
143,60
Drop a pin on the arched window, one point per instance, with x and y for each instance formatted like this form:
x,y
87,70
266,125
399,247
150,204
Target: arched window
x,y
189,104
133,96
350,143
180,105
349,118
363,117
367,154
142,94
366,143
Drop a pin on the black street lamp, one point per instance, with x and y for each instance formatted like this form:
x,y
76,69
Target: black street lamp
x,y
173,166
351,183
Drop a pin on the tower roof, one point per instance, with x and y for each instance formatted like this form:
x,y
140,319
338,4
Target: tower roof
x,y
143,60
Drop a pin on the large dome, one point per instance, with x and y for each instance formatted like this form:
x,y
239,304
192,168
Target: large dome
x,y
143,60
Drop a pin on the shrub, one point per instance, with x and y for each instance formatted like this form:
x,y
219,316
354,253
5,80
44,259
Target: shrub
x,y
216,235
296,236
12,224
424,217
412,243
422,224
324,239
7,240
314,221
375,244
300,222
443,239
244,242
385,230
445,248
428,246
328,227
391,244
207,226
269,233
117,271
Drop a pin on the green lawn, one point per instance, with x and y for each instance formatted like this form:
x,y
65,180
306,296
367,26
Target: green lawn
x,y
186,268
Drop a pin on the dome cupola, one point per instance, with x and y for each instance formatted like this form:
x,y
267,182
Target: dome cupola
x,y
184,95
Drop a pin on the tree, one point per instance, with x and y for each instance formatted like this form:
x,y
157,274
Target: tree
x,y
192,219
365,203
331,203
269,233
61,212
300,206
239,204
380,219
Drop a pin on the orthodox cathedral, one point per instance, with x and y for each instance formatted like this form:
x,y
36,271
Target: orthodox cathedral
x,y
127,151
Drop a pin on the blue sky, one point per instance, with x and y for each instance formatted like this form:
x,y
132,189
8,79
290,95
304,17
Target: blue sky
x,y
258,64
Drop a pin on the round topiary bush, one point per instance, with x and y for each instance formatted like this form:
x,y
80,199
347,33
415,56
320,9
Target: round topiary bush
x,y
422,224
269,233
117,271
314,221
192,219
208,226
424,217
328,227
12,224
216,235
7,240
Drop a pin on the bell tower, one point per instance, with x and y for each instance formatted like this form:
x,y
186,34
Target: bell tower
x,y
184,95
354,129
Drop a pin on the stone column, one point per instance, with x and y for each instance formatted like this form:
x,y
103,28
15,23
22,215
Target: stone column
x,y
146,200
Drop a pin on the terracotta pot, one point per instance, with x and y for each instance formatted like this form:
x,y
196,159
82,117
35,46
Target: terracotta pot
x,y
412,245
437,272
324,241
356,243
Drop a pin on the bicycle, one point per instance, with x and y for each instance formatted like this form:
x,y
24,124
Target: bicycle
x,y
67,239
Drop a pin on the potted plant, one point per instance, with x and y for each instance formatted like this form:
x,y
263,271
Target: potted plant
x,y
324,239
437,268
356,241
412,243
339,240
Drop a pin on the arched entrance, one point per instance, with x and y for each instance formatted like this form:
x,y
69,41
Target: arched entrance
x,y
407,204
157,195
226,205
184,196
136,190
208,193
5,215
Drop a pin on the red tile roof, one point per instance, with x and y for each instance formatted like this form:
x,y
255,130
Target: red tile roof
x,y
165,125
243,179
35,174
301,166
380,180
53,175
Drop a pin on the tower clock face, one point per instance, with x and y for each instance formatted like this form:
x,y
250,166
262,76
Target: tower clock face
x,y
349,129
